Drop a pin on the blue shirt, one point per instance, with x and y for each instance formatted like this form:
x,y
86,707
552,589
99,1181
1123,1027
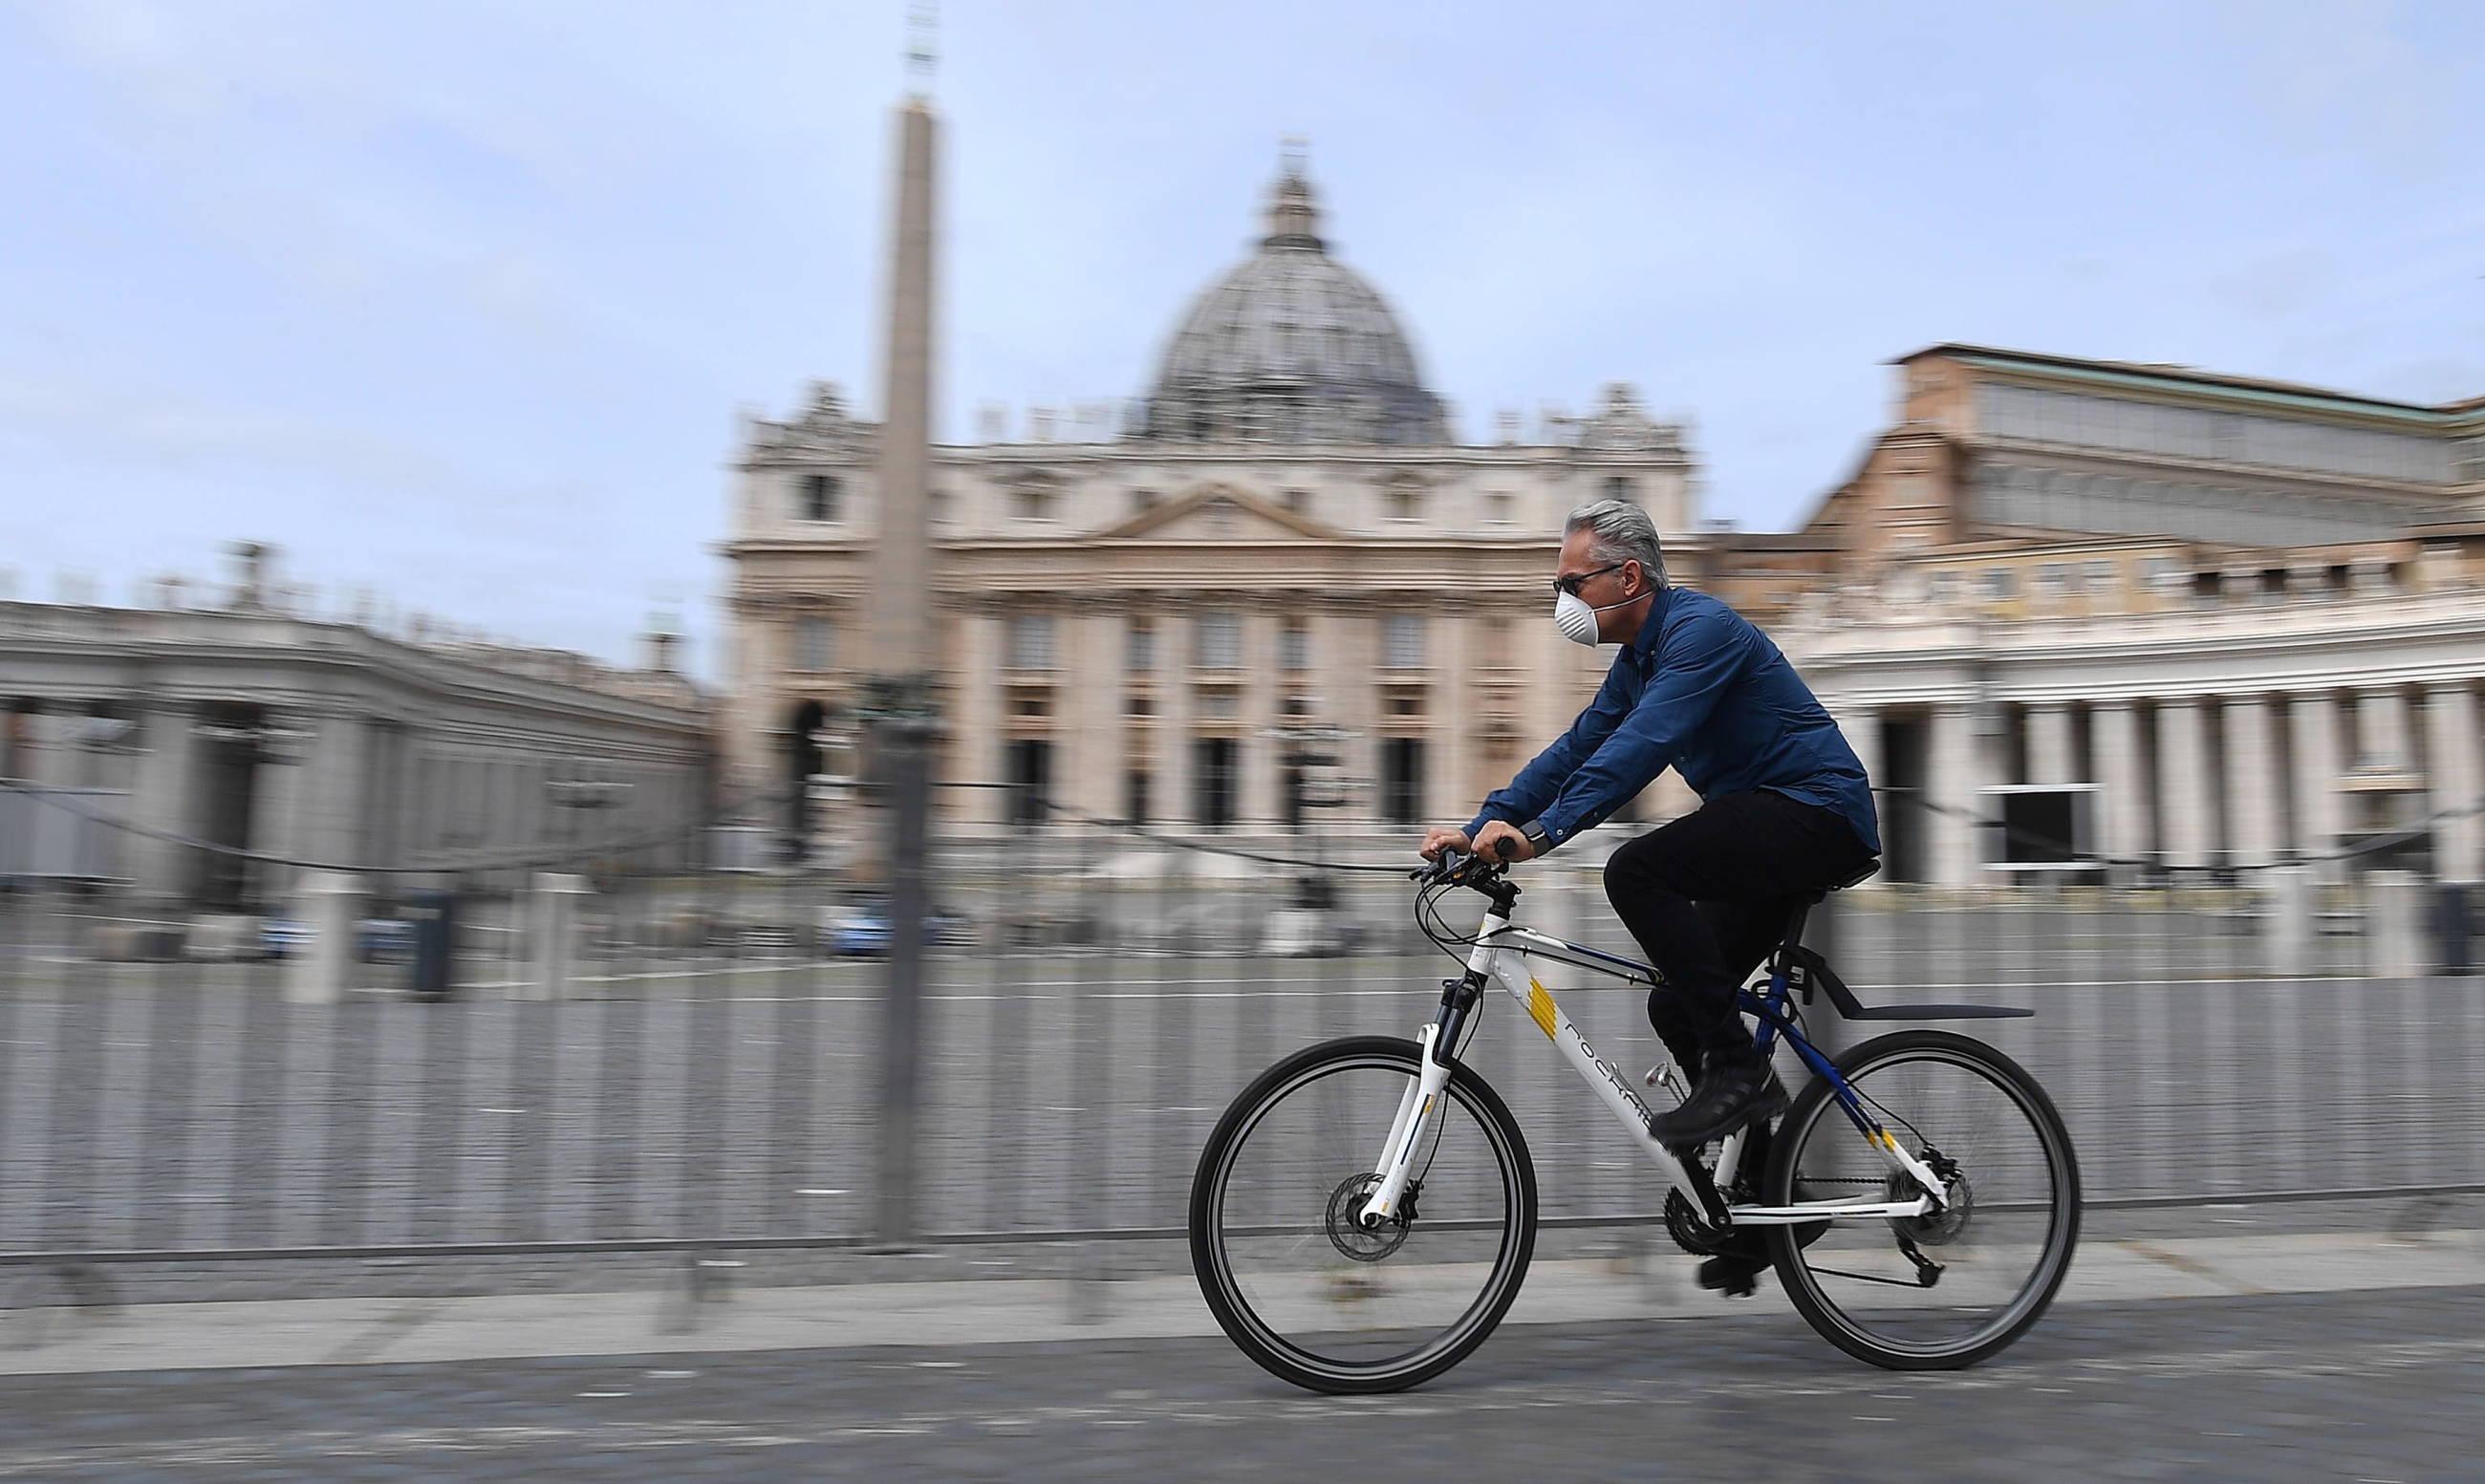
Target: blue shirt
x,y
1703,691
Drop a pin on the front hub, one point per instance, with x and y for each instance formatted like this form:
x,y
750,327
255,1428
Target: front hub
x,y
1347,1232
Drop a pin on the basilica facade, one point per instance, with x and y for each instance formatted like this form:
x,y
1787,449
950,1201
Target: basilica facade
x,y
2230,621
1275,582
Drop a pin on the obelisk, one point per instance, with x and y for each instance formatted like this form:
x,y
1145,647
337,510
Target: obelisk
x,y
901,709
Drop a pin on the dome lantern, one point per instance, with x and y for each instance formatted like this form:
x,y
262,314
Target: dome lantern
x,y
1291,346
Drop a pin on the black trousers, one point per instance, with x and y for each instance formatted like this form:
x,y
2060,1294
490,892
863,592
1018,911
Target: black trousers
x,y
1707,896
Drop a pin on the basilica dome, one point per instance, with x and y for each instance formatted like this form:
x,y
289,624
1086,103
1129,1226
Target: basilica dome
x,y
1291,346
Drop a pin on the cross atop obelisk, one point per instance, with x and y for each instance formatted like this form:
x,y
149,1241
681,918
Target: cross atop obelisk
x,y
923,46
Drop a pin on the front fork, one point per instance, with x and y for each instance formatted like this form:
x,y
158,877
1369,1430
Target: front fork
x,y
1437,1041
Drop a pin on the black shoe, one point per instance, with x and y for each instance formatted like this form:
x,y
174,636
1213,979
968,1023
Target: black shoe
x,y
1733,1276
1729,1095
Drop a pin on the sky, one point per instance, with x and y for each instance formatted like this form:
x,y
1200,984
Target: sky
x,y
458,303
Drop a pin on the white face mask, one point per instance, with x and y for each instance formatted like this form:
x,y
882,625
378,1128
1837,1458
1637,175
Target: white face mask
x,y
1577,621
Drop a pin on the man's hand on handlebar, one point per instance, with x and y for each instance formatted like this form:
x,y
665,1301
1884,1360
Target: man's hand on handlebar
x,y
1497,844
1503,844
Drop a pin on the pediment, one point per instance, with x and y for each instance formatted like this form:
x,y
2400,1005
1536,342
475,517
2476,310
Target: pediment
x,y
1221,513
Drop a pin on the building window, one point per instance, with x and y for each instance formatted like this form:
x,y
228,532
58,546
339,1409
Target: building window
x,y
1219,766
1219,636
2001,584
1140,706
1300,502
1217,705
813,641
1032,502
823,498
1405,503
1401,641
1622,487
1938,587
1294,647
1034,704
1142,652
2053,578
2101,577
1030,779
1401,779
1497,509
1142,500
1135,795
1030,641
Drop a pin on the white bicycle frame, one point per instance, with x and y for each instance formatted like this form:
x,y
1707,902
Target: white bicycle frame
x,y
1499,949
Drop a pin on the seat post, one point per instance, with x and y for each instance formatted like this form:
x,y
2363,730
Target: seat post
x,y
1794,935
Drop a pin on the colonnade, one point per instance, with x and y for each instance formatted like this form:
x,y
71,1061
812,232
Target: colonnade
x,y
323,782
2213,778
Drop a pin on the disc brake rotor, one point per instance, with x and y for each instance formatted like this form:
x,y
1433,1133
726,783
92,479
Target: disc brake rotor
x,y
1934,1227
1356,1241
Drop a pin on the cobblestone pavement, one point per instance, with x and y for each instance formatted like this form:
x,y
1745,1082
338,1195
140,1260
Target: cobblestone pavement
x,y
2330,1387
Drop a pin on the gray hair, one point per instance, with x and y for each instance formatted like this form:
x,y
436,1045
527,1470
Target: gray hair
x,y
1619,531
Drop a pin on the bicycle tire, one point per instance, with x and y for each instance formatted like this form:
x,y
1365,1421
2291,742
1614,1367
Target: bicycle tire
x,y
1211,1247
1815,1115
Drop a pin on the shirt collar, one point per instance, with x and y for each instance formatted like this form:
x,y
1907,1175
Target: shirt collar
x,y
1651,628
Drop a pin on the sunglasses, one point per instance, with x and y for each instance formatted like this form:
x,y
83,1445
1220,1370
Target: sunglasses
x,y
1572,585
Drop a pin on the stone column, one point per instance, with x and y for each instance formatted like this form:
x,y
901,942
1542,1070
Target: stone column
x,y
275,802
1860,726
981,736
2254,792
1256,709
2314,722
2452,774
2123,789
2051,758
327,821
1449,742
1089,774
1169,793
2183,780
1349,700
165,799
2382,730
1951,781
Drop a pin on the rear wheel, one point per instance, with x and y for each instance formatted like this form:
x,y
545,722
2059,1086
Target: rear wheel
x,y
1292,1277
1953,1286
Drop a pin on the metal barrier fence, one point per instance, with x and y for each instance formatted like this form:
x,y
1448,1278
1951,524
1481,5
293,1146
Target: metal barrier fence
x,y
708,1076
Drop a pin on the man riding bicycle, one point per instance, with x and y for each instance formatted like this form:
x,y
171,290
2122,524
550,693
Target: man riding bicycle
x,y
1786,809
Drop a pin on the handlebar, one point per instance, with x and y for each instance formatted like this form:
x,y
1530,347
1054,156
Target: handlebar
x,y
1454,869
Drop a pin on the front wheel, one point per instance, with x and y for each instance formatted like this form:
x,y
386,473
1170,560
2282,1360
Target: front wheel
x,y
1953,1286
1305,1291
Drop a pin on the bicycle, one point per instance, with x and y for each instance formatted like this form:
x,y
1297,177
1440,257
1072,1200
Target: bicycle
x,y
1364,1212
